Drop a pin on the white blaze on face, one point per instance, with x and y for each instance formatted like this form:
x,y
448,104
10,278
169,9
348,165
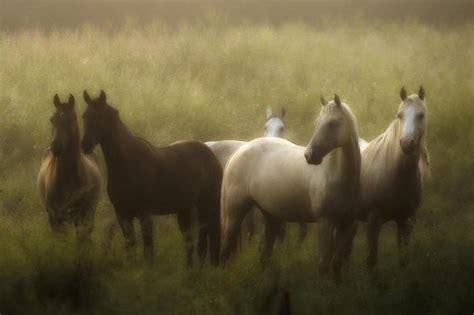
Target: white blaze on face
x,y
275,127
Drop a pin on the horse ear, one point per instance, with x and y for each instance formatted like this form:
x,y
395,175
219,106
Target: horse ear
x,y
102,96
283,112
56,100
87,98
269,112
403,94
337,100
72,101
323,101
421,93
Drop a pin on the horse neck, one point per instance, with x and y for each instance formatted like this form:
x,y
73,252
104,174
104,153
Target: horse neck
x,y
114,144
344,163
68,165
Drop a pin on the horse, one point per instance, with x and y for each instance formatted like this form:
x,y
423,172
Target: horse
x,y
394,165
274,127
146,180
69,182
287,182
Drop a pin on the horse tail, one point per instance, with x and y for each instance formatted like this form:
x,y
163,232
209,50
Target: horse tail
x,y
213,206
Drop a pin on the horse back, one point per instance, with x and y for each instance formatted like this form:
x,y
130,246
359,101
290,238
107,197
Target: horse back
x,y
225,149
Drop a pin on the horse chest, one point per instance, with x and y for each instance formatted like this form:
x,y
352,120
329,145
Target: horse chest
x,y
333,199
398,198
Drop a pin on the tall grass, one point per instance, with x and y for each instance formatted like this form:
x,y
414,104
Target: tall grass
x,y
213,81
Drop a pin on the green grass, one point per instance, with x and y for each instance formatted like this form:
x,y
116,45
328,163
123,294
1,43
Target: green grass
x,y
212,81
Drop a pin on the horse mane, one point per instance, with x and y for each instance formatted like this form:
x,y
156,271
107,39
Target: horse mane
x,y
424,161
351,120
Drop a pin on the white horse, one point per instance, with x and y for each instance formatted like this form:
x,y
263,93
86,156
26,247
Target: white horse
x,y
296,184
393,165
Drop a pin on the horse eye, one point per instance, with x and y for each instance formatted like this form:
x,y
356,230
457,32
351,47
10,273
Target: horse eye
x,y
400,115
420,116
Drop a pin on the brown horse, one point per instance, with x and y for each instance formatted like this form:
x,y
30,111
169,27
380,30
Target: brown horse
x,y
69,181
144,180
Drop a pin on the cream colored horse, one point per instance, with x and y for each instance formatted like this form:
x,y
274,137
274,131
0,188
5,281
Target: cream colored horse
x,y
296,184
393,165
274,127
69,181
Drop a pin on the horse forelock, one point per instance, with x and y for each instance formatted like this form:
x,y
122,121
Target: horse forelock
x,y
413,99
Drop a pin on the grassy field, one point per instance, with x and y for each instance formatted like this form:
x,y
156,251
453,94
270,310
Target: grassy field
x,y
211,81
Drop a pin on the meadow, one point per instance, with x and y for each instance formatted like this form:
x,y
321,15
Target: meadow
x,y
212,80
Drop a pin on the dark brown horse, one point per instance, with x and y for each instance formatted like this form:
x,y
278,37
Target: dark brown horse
x,y
144,180
69,182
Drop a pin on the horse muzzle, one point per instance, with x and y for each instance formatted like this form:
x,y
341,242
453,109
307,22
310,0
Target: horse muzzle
x,y
312,157
408,145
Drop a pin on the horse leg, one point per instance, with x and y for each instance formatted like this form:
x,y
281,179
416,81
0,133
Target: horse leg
x,y
373,230
57,225
146,223
84,227
126,224
281,233
203,235
404,229
325,234
272,229
303,228
209,215
234,212
184,222
110,231
348,250
344,235
248,225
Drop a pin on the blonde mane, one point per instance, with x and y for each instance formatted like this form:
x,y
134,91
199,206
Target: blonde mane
x,y
352,122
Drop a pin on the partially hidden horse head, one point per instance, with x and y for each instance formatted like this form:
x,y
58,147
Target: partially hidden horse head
x,y
98,118
275,125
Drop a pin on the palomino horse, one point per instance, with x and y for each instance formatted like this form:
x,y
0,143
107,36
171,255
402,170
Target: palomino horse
x,y
69,182
144,180
393,165
293,183
274,127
